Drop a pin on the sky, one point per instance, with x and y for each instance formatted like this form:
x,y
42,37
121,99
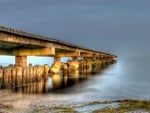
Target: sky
x,y
120,27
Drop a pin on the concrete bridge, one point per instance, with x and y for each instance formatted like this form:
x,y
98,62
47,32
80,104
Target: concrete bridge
x,y
22,44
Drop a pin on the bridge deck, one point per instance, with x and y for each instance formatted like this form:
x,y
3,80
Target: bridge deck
x,y
43,38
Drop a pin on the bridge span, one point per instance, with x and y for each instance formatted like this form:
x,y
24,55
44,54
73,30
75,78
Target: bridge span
x,y
22,44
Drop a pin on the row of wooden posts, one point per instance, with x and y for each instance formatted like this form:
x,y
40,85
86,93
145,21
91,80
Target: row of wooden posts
x,y
12,76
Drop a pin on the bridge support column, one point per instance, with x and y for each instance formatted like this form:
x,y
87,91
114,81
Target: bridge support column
x,y
96,65
55,69
21,61
88,65
73,65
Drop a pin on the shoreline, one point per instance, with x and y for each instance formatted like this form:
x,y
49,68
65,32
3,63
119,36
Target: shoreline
x,y
128,106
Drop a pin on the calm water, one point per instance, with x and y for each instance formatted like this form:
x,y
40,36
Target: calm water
x,y
126,79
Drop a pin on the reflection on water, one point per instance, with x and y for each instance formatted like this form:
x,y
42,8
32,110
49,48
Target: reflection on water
x,y
30,80
54,82
40,86
57,81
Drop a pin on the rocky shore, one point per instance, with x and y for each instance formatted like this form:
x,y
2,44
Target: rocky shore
x,y
119,106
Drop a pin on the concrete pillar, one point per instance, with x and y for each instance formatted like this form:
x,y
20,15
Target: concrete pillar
x,y
55,69
89,64
73,65
21,61
83,66
96,66
75,58
86,65
57,60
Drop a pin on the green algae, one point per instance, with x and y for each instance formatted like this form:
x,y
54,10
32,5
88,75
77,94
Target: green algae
x,y
127,106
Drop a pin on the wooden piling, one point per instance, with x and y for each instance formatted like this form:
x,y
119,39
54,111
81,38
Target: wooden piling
x,y
27,75
39,86
31,76
89,68
64,69
46,71
45,85
1,77
13,77
24,74
7,77
19,76
39,72
35,73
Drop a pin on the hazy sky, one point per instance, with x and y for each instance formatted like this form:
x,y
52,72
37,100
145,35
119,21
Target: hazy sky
x,y
121,27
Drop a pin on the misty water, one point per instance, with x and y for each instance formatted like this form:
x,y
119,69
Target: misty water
x,y
129,78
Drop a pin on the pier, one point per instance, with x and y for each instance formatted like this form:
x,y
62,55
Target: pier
x,y
22,44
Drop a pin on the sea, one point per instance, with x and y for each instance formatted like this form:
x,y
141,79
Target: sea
x,y
128,78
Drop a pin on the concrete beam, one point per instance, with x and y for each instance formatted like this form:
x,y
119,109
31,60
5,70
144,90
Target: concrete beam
x,y
4,52
86,55
96,55
68,54
34,52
